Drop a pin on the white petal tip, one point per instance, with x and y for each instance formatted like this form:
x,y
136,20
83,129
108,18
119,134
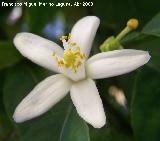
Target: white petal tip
x,y
147,57
20,116
99,121
20,40
144,58
99,124
91,18
18,37
94,18
17,118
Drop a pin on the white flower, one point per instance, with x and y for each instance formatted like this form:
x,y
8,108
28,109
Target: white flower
x,y
75,71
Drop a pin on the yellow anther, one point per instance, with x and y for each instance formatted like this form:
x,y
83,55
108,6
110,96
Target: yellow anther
x,y
84,56
79,63
53,53
132,23
64,38
77,53
61,62
69,57
72,58
78,49
72,43
69,36
81,56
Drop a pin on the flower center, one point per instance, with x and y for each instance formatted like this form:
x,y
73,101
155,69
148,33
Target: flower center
x,y
72,56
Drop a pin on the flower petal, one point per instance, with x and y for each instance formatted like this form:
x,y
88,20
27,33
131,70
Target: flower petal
x,y
115,63
38,49
75,76
46,94
88,103
84,31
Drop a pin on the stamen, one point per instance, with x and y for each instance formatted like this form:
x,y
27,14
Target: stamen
x,y
53,53
132,23
72,57
72,43
63,38
69,36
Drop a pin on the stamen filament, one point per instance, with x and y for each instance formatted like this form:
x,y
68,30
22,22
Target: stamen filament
x,y
72,58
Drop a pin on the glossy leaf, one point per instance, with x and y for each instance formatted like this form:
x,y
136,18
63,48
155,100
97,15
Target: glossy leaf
x,y
153,26
8,54
74,128
146,106
150,44
7,131
19,82
118,124
6,128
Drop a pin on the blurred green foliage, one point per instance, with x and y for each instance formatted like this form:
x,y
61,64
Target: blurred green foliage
x,y
138,121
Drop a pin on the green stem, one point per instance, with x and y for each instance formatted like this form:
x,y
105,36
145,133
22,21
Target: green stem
x,y
125,31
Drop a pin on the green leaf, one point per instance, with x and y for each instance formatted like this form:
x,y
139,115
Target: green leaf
x,y
146,106
74,128
8,54
153,26
2,75
150,44
144,91
20,80
126,83
131,37
118,124
7,132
